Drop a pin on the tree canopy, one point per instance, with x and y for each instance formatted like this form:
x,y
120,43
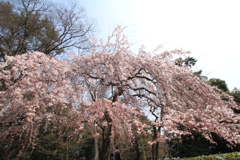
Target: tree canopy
x,y
35,25
108,90
218,83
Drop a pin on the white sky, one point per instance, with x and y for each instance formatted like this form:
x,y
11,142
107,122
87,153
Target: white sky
x,y
210,29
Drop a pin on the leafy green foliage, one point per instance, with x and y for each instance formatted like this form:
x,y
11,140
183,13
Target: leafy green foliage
x,y
220,84
236,94
188,146
189,61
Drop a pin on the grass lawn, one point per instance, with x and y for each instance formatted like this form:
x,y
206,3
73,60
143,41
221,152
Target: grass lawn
x,y
225,156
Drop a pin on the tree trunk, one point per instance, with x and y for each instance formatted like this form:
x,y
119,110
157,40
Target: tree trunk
x,y
137,149
104,150
155,148
67,150
96,148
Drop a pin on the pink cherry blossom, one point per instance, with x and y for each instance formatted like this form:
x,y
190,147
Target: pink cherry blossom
x,y
108,90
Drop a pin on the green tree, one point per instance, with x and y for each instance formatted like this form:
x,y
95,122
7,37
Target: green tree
x,y
33,25
218,83
189,61
188,146
141,148
236,94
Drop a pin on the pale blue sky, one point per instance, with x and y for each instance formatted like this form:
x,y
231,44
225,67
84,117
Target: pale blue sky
x,y
210,29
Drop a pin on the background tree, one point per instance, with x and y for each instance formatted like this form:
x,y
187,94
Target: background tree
x,y
34,25
218,83
188,61
138,147
236,94
189,146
